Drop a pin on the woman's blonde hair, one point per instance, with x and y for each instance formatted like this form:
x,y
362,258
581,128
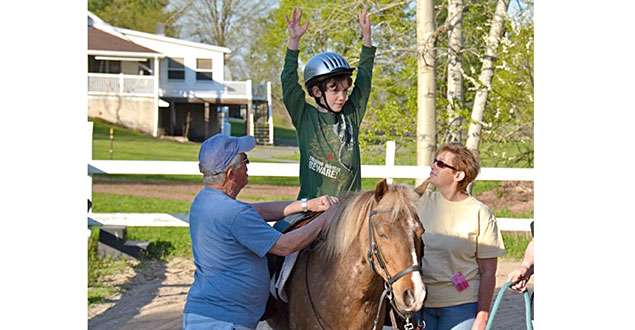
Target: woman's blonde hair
x,y
464,160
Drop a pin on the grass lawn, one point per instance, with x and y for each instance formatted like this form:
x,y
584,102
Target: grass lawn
x,y
130,145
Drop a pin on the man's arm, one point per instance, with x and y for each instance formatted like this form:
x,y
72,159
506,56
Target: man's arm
x,y
296,240
276,210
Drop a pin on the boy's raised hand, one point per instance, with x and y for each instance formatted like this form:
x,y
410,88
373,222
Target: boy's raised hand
x,y
364,23
296,30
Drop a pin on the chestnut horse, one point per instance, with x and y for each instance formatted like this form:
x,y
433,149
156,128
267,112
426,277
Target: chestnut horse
x,y
368,251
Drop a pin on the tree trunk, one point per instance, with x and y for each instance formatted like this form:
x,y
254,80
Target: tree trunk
x,y
426,84
487,72
455,69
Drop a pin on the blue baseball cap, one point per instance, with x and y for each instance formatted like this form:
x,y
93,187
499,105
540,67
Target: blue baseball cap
x,y
219,150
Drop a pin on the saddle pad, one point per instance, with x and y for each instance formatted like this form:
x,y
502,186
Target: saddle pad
x,y
277,289
284,225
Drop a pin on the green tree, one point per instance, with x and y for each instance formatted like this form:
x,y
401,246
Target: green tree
x,y
140,15
392,110
511,101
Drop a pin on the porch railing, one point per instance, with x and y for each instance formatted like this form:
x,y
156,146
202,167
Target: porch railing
x,y
120,84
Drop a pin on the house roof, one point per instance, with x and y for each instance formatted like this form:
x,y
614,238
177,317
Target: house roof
x,y
100,40
176,41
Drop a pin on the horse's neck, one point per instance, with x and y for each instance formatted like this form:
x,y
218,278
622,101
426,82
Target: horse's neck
x,y
350,282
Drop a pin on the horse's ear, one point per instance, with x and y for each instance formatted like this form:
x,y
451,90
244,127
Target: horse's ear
x,y
422,188
380,190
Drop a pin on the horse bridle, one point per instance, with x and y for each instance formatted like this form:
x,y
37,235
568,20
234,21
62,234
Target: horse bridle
x,y
375,252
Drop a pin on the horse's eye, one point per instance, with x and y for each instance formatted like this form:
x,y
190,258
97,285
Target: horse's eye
x,y
383,236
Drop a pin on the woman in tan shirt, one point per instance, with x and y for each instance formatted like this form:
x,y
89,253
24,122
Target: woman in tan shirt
x,y
462,244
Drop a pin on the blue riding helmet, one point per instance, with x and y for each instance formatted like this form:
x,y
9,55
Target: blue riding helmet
x,y
323,66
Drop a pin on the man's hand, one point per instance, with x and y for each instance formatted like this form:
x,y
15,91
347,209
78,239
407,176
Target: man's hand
x,y
296,30
364,23
321,203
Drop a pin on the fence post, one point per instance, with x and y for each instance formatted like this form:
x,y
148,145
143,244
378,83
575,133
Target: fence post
x,y
269,113
390,157
250,110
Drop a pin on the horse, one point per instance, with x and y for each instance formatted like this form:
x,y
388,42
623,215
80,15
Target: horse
x,y
369,250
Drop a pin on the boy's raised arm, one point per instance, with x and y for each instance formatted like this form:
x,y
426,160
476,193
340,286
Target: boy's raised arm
x,y
296,31
364,23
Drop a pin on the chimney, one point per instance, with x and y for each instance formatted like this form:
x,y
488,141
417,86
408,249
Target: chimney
x,y
161,29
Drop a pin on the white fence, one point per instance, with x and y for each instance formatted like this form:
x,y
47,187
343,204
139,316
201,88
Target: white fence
x,y
271,169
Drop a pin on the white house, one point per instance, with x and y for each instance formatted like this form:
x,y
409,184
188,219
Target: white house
x,y
168,86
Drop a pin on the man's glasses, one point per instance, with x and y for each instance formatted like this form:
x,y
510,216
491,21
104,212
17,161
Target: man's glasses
x,y
441,164
246,160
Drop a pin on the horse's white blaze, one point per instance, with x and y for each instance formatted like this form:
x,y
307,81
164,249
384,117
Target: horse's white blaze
x,y
420,290
417,280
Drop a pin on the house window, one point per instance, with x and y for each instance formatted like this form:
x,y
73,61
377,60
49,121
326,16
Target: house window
x,y
203,69
100,66
176,68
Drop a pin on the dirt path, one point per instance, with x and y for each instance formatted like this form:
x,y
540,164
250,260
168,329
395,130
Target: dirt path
x,y
155,298
188,191
516,196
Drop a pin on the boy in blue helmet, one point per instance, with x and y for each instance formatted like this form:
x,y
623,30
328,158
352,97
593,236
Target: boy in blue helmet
x,y
327,135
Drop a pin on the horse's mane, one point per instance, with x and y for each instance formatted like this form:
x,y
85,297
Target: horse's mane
x,y
351,216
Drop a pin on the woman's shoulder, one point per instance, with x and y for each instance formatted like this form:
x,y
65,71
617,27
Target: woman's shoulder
x,y
483,209
476,203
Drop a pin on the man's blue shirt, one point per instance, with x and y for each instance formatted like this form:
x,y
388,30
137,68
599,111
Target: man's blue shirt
x,y
229,243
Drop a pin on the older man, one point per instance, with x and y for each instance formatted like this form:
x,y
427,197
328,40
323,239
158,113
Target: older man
x,y
230,239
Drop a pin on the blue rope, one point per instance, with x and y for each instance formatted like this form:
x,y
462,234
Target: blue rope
x,y
490,321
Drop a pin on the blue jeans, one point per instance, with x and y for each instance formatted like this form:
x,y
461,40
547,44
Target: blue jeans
x,y
193,321
458,317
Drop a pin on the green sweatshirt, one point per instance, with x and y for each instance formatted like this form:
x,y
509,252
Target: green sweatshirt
x,y
329,143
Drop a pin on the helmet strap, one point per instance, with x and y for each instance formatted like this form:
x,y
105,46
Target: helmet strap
x,y
326,103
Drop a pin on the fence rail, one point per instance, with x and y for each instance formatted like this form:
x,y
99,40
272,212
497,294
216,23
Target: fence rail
x,y
183,220
292,170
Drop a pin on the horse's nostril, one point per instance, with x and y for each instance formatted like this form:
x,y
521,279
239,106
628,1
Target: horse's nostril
x,y
408,297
